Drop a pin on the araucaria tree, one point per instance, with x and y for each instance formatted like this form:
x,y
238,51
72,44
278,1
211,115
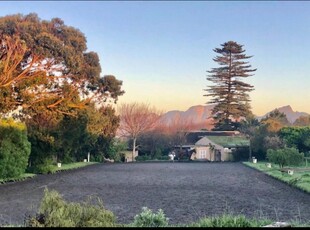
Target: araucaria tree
x,y
229,92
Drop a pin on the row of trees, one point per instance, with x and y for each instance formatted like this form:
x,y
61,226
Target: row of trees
x,y
50,82
158,138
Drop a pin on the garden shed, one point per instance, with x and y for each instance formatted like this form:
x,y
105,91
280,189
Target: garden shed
x,y
218,148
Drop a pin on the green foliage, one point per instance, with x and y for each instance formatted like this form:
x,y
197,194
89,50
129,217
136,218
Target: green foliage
x,y
14,148
298,137
115,150
55,212
240,154
143,158
227,220
163,158
154,143
149,219
273,142
45,166
262,139
286,156
300,179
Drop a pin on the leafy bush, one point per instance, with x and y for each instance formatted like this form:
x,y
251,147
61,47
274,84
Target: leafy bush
x,y
227,220
143,158
286,156
149,219
55,212
165,158
240,154
14,148
44,166
115,150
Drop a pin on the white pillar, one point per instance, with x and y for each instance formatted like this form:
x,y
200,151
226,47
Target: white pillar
x,y
88,156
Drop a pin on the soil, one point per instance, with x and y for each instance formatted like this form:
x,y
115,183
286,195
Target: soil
x,y
185,191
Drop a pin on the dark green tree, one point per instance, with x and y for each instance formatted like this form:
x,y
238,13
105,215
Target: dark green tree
x,y
229,92
297,137
285,156
154,143
249,127
14,148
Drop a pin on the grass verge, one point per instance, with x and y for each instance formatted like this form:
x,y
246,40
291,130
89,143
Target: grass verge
x,y
299,179
54,169
20,178
70,166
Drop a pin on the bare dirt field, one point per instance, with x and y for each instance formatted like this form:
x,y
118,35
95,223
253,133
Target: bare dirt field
x,y
185,191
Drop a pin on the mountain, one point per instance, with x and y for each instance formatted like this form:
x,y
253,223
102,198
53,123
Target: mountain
x,y
200,115
291,115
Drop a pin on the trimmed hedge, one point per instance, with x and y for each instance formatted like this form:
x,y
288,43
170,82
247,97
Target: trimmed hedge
x,y
14,148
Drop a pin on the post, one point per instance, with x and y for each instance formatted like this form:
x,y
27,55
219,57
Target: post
x,y
88,157
250,150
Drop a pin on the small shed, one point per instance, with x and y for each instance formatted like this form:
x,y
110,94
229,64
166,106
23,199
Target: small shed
x,y
218,148
128,156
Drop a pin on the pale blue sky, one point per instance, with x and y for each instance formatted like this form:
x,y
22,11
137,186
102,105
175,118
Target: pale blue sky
x,y
161,50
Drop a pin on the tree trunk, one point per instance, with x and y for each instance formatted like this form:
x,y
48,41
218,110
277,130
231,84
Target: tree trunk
x,y
250,151
134,148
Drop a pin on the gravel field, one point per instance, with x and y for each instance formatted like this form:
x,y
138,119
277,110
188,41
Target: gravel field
x,y
185,191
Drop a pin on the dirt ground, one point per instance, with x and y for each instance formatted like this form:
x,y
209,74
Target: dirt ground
x,y
185,191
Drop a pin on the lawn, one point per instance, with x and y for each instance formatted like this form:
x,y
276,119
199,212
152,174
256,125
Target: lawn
x,y
20,178
54,170
299,179
71,166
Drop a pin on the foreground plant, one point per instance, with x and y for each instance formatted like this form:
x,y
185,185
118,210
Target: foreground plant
x,y
149,219
228,220
55,212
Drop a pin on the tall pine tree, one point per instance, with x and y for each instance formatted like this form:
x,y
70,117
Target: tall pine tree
x,y
229,93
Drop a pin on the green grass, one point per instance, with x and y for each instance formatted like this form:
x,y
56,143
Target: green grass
x,y
20,178
54,170
299,180
229,220
72,166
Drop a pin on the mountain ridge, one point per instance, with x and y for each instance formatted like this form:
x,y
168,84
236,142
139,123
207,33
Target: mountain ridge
x,y
200,115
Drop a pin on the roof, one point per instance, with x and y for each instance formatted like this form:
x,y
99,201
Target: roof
x,y
194,136
225,141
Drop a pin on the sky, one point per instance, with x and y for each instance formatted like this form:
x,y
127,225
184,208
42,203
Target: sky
x,y
162,50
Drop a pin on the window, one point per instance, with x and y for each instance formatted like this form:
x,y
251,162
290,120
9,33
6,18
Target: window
x,y
203,153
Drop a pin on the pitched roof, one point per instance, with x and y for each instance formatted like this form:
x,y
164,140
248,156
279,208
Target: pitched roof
x,y
194,136
225,141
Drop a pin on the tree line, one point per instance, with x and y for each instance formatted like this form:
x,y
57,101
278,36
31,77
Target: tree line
x,y
52,87
50,82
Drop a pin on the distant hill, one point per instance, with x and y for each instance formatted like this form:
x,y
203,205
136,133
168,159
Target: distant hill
x,y
200,115
291,115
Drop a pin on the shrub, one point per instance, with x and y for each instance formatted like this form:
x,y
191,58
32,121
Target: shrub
x,y
227,220
165,158
149,219
143,158
45,166
14,148
55,212
286,156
